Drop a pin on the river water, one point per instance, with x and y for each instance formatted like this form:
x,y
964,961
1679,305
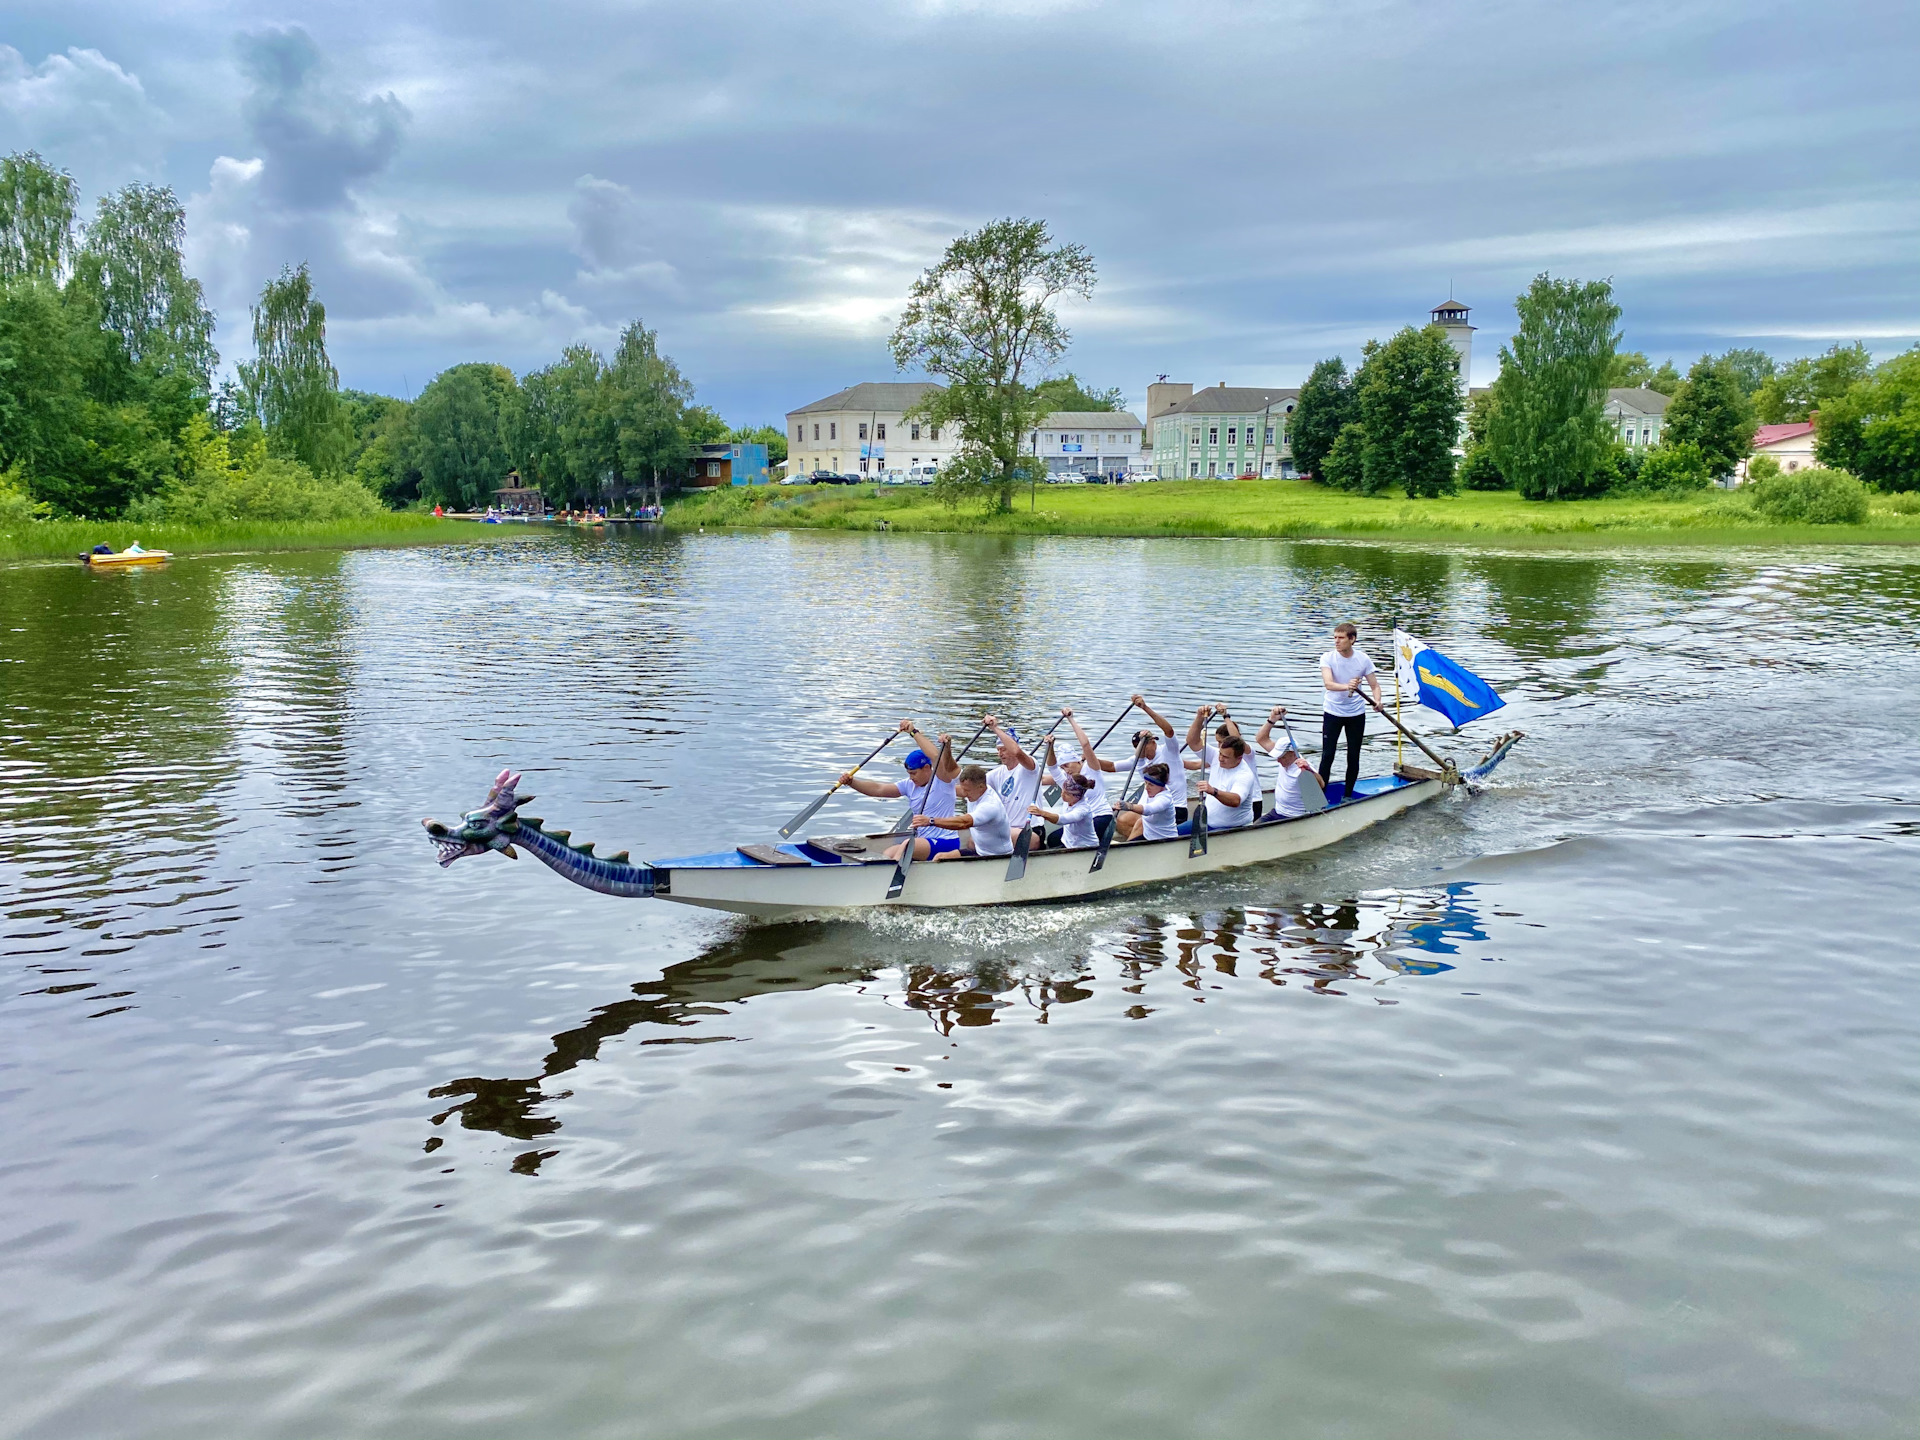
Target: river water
x,y
1582,1107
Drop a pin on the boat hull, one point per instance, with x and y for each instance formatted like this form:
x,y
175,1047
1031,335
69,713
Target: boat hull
x,y
787,892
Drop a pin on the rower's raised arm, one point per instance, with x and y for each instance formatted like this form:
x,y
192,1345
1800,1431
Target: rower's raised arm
x,y
945,766
1166,725
1086,745
1200,717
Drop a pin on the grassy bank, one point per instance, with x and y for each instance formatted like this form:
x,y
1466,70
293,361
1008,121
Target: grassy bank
x,y
1288,509
65,539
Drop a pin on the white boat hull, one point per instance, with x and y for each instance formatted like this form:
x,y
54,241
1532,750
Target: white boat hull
x,y
787,892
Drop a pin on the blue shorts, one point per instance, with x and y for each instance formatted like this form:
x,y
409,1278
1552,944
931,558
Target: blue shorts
x,y
942,845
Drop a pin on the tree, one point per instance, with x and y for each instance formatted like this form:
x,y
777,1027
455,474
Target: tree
x,y
1548,433
774,437
1803,386
1065,393
1666,379
1750,369
1631,370
1477,470
1713,413
456,439
292,387
1410,407
1344,467
982,320
1674,467
702,425
37,208
132,267
649,406
560,434
1873,431
1327,405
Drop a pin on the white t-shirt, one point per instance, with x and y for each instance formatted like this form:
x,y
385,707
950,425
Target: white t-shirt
x,y
1102,803
1157,812
1241,780
1017,788
1343,669
1286,790
1076,825
991,833
1167,751
934,799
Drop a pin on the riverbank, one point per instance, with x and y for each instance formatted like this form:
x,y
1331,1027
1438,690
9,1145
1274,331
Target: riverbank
x,y
65,539
1287,509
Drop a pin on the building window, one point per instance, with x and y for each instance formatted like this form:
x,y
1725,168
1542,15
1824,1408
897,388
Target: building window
x,y
816,432
1213,436
1266,467
863,430
880,431
1195,438
1233,435
1050,437
1212,469
1269,434
833,431
1193,469
933,433
800,433
913,433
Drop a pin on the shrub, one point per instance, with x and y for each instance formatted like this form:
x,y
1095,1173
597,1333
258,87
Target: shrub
x,y
1762,467
1345,465
1673,470
1478,472
1810,497
17,505
266,490
1905,503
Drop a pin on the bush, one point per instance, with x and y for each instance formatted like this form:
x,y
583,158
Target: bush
x,y
17,505
1478,472
1672,470
1762,467
1345,465
1810,497
267,490
1904,503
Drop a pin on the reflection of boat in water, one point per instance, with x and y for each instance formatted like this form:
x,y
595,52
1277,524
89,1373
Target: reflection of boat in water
x,y
852,872
101,558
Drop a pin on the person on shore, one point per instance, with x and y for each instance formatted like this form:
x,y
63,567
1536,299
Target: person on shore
x,y
1231,786
1076,818
984,829
1343,670
1016,779
928,788
1288,801
1152,816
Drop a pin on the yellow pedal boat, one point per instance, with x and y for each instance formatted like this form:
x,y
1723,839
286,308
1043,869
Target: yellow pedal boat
x,y
120,560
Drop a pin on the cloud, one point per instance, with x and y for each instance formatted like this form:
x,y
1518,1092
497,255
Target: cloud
x,y
318,137
613,234
83,111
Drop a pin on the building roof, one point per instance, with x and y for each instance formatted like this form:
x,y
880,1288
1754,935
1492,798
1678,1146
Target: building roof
x,y
1449,305
1774,434
1091,420
1231,400
1638,397
885,395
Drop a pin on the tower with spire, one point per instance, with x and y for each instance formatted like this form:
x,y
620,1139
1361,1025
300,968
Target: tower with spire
x,y
1451,316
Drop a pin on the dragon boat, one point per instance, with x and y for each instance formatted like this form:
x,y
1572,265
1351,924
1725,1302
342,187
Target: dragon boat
x,y
851,872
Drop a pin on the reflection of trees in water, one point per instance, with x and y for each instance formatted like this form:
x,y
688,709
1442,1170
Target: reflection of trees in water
x,y
1316,947
1543,609
1376,583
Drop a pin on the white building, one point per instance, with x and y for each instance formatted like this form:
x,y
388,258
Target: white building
x,y
1451,317
863,430
1791,444
1092,442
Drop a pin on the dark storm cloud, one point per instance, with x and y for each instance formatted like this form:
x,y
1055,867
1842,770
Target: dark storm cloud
x,y
1261,184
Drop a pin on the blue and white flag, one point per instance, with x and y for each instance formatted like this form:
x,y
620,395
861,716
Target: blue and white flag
x,y
1441,684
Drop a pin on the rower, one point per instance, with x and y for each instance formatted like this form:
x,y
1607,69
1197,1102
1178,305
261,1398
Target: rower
x,y
1343,670
1016,779
928,788
1078,759
1231,786
1076,820
1154,812
1151,743
983,830
1288,797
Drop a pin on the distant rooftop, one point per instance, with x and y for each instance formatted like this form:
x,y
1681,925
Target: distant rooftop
x,y
1233,400
1091,420
882,395
1773,434
1638,397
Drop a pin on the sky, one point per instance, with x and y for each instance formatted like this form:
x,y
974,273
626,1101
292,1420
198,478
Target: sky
x,y
1262,185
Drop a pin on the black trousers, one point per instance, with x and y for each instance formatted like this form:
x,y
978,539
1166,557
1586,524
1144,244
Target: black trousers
x,y
1332,727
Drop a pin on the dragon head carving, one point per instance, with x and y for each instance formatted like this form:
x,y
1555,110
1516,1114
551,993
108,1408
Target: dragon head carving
x,y
491,827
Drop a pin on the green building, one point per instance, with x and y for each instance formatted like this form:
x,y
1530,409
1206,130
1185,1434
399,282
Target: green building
x,y
1225,431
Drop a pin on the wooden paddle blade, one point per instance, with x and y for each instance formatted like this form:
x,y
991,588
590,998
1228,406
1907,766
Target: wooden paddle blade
x,y
1100,855
1311,795
1197,841
786,830
1017,866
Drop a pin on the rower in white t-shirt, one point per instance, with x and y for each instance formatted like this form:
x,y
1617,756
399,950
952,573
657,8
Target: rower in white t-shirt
x,y
1016,779
1297,791
1154,743
1076,818
983,830
1231,785
1152,815
927,788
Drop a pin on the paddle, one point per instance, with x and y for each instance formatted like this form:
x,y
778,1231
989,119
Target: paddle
x,y
1444,764
1017,866
786,830
902,825
905,862
1106,840
1313,799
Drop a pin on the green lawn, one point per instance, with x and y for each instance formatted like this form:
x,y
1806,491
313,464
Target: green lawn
x,y
65,539
1289,509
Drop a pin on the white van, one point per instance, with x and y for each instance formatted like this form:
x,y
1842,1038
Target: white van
x,y
922,474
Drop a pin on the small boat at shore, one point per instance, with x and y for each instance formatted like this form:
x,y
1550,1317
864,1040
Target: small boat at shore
x,y
101,558
851,872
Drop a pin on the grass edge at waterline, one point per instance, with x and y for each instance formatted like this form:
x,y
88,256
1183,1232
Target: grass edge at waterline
x,y
66,539
1287,510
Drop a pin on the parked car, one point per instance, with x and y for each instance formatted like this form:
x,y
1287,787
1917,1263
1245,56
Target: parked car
x,y
823,477
922,474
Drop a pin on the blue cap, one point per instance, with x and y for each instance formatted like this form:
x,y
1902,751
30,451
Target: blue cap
x,y
918,760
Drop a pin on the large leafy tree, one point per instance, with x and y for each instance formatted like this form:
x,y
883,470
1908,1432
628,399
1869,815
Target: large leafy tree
x,y
1410,406
648,402
37,208
131,267
983,320
1874,429
1548,432
1803,386
292,387
561,435
1749,368
1067,393
1712,412
456,438
1328,404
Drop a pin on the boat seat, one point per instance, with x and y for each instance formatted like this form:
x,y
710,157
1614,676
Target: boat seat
x,y
768,855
